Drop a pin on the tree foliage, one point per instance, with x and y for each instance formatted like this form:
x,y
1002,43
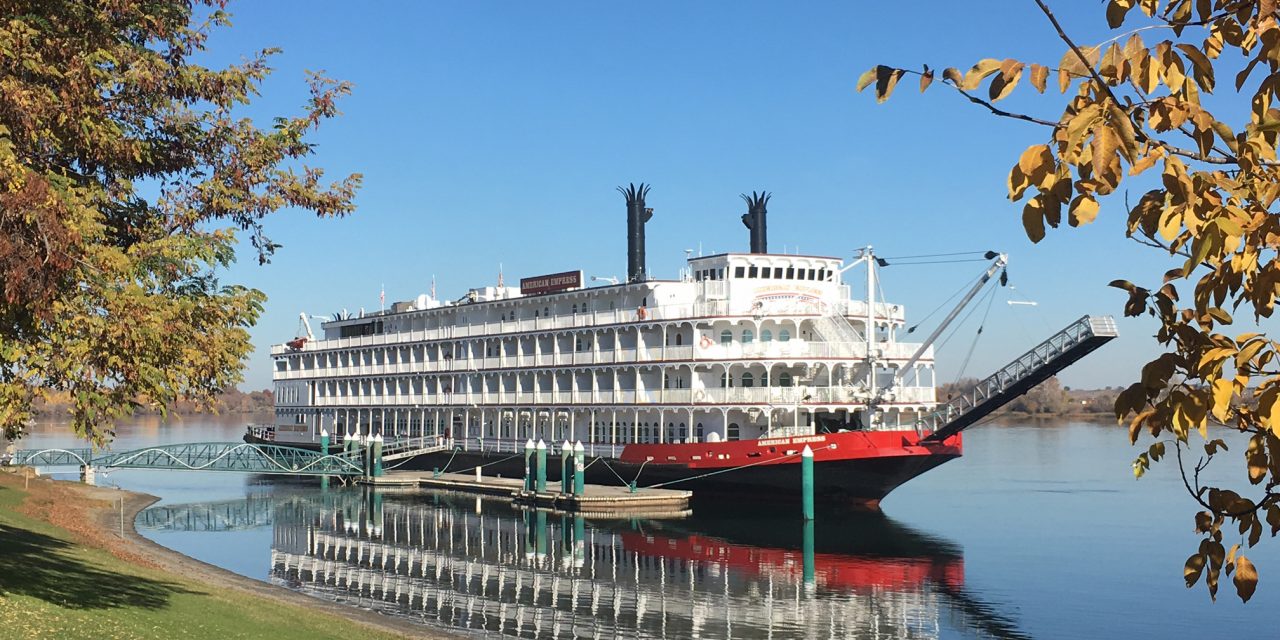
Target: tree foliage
x,y
125,171
1137,109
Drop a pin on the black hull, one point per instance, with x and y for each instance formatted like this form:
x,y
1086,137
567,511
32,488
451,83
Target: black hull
x,y
859,482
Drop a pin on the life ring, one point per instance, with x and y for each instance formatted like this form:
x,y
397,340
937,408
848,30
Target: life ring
x,y
705,341
641,313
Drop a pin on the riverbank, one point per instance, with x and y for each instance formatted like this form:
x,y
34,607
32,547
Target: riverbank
x,y
72,566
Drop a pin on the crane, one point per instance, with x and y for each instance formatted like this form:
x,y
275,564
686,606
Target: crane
x,y
304,330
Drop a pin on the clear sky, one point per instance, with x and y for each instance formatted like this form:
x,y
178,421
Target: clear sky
x,y
494,133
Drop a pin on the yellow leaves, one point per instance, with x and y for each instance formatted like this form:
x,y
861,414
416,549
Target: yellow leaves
x,y
1192,569
1003,84
1033,219
1256,459
1223,388
885,79
1106,162
1072,67
926,79
1035,166
1116,10
976,74
1246,578
1083,210
1202,67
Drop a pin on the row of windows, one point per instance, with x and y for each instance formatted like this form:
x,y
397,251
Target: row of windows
x,y
774,273
749,336
748,380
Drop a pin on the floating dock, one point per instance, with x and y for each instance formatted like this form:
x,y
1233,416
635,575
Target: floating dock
x,y
594,500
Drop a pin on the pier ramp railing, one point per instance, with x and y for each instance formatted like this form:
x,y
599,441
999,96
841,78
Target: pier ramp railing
x,y
1078,339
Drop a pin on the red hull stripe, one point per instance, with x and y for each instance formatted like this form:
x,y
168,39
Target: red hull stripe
x,y
827,447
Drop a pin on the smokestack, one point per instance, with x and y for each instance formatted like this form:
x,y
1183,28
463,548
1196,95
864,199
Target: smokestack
x,y
637,215
754,219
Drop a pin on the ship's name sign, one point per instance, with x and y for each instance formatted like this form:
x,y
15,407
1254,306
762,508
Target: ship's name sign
x,y
551,282
773,442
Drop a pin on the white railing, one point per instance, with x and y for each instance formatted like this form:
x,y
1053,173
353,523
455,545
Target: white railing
x,y
804,395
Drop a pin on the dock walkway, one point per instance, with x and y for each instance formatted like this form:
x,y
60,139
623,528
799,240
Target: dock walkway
x,y
597,499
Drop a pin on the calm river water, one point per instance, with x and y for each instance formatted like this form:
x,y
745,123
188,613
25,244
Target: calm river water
x,y
1039,531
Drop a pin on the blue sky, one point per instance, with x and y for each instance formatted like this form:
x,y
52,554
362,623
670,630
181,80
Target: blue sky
x,y
494,133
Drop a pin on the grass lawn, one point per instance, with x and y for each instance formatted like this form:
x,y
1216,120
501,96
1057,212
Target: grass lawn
x,y
54,587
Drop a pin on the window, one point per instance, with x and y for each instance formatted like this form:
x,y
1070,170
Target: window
x,y
811,275
698,433
822,274
747,381
764,379
791,273
679,339
784,335
739,271
784,379
733,431
753,272
766,335
725,380
748,336
575,308
726,337
777,272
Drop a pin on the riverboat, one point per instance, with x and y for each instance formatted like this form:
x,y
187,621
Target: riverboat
x,y
714,381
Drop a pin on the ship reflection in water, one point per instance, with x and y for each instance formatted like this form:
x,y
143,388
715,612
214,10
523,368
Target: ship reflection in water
x,y
491,568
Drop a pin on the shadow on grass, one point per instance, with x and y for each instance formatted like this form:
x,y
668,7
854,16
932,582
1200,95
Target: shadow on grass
x,y
33,564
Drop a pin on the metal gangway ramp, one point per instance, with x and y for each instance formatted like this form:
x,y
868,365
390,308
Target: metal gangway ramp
x,y
1059,351
202,456
409,447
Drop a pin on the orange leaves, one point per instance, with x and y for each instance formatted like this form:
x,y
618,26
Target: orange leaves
x,y
1035,167
1083,210
1246,578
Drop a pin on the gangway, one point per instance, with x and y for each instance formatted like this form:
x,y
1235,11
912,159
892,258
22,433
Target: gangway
x,y
410,447
1078,339
202,456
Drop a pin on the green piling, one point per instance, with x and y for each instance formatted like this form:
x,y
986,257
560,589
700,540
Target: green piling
x,y
377,456
324,451
528,458
579,467
566,467
806,482
542,466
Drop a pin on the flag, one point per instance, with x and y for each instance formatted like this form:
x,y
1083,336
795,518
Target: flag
x,y
382,297
433,287
499,275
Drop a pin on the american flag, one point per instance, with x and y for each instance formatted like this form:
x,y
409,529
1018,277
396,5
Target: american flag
x,y
382,296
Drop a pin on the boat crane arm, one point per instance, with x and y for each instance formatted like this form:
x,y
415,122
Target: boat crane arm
x,y
302,317
1000,261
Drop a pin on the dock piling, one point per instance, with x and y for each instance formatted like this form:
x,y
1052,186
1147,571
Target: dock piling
x,y
566,467
579,468
806,482
377,456
542,466
528,458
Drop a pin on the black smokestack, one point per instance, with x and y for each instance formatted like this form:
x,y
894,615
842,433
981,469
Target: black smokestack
x,y
637,215
754,219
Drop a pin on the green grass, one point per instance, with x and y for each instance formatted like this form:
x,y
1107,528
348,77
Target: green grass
x,y
52,587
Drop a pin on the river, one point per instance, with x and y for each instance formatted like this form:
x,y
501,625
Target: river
x,y
1039,531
